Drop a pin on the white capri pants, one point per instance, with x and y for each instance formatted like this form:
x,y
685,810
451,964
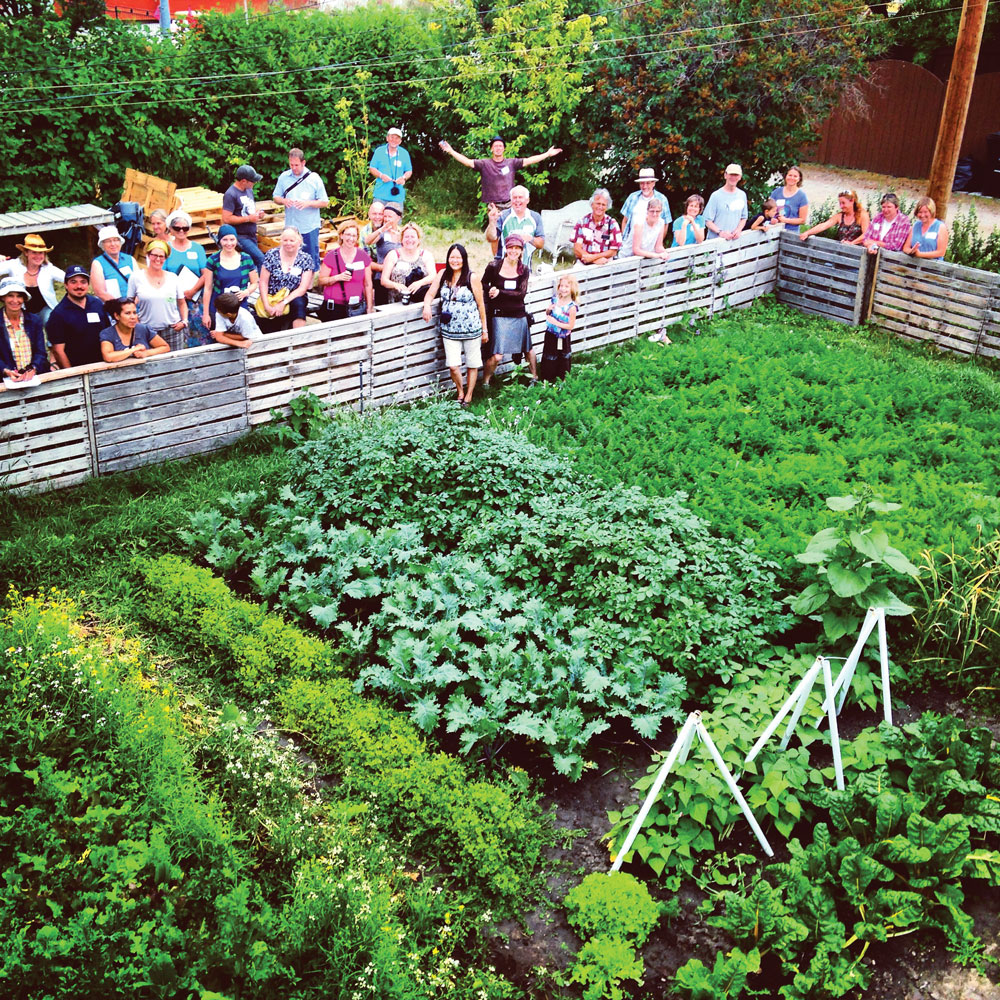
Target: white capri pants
x,y
473,352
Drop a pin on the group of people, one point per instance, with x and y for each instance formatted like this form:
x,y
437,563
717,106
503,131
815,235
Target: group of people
x,y
115,309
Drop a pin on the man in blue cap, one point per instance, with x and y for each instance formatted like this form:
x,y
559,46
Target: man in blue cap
x,y
498,174
75,324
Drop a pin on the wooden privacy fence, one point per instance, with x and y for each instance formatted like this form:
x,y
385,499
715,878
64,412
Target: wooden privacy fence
x,y
953,308
87,422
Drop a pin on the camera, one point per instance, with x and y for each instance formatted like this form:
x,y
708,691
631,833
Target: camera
x,y
394,190
445,317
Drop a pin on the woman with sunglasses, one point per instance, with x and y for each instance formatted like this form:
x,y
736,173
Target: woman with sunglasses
x,y
127,337
188,261
158,297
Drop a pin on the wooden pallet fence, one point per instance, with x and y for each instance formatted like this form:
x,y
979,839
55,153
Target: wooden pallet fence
x,y
824,277
955,308
99,420
45,435
186,403
328,359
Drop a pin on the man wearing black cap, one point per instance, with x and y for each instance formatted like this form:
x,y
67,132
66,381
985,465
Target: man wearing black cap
x,y
498,174
75,324
239,211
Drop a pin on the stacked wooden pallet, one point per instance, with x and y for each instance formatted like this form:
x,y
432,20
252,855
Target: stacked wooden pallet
x,y
205,208
269,233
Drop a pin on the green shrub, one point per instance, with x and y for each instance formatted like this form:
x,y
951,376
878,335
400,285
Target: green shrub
x,y
613,904
489,834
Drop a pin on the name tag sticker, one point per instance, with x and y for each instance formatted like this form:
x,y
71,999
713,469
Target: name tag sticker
x,y
510,283
296,271
92,317
734,205
504,171
354,300
192,255
357,265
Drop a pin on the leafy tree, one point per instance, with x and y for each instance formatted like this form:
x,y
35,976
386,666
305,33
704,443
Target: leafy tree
x,y
697,86
519,69
916,29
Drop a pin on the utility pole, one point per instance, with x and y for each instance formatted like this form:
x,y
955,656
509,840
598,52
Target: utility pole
x,y
956,103
164,10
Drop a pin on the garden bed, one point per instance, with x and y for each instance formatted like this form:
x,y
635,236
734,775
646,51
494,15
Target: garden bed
x,y
464,601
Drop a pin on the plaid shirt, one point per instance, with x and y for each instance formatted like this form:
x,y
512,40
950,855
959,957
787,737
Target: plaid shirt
x,y
597,239
20,345
896,235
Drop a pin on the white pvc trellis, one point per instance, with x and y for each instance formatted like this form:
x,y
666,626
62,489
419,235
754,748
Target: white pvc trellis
x,y
794,704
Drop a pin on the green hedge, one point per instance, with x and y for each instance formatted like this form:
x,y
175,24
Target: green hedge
x,y
489,834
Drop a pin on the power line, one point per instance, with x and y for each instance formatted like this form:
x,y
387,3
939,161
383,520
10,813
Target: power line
x,y
490,70
407,59
121,86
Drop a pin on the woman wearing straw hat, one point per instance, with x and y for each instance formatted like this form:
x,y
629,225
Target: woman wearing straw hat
x,y
111,269
37,273
22,340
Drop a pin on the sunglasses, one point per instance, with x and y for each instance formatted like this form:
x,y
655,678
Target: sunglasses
x,y
180,229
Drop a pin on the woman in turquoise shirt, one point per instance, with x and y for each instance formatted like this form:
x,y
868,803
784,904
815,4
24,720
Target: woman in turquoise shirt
x,y
929,236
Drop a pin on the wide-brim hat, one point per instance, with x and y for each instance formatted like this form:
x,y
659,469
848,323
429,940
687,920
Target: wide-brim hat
x,y
35,243
108,233
647,174
10,285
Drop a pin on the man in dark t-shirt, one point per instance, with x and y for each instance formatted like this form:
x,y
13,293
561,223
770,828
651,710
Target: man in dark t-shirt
x,y
498,174
240,211
74,325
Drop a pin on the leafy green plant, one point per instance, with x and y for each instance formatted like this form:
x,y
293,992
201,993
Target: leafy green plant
x,y
612,904
490,834
307,416
892,859
726,980
687,827
852,560
489,587
603,964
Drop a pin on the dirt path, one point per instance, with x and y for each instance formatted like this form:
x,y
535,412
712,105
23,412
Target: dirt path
x,y
822,183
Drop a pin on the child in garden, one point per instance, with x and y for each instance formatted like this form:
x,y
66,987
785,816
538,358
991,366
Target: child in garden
x,y
234,326
768,217
560,318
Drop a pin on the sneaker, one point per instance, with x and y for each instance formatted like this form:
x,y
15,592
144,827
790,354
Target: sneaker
x,y
660,335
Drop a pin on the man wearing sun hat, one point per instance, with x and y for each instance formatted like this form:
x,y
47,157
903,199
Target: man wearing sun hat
x,y
74,328
391,168
36,272
498,174
637,202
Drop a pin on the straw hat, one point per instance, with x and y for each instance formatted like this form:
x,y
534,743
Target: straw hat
x,y
34,242
646,174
